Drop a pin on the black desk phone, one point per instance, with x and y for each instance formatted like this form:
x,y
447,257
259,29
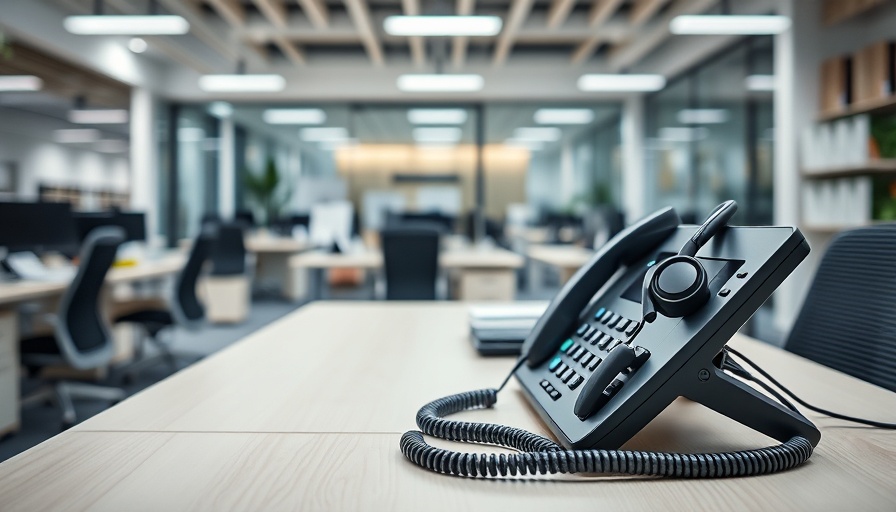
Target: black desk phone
x,y
644,322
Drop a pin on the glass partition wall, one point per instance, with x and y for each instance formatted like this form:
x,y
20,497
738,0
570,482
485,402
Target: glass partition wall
x,y
709,136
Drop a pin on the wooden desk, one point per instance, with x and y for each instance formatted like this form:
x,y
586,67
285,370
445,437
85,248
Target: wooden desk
x,y
306,414
272,254
566,258
481,273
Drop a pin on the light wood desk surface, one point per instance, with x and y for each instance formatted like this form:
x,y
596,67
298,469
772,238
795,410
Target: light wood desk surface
x,y
460,258
306,414
563,256
21,291
273,244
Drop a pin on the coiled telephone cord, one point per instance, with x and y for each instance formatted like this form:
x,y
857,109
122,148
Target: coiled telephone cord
x,y
540,456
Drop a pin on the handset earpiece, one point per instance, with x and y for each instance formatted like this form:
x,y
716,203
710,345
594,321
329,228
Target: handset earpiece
x,y
679,286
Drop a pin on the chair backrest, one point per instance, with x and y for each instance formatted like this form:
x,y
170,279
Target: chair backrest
x,y
186,307
847,321
229,253
82,332
411,260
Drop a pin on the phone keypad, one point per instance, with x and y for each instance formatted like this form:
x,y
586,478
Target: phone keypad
x,y
580,354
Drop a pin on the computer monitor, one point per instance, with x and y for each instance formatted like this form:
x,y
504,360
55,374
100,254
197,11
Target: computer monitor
x,y
331,224
37,227
133,223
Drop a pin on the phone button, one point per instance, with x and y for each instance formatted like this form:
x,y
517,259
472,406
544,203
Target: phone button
x,y
606,318
621,326
600,313
582,329
576,381
586,359
554,394
632,328
568,376
566,345
555,363
593,365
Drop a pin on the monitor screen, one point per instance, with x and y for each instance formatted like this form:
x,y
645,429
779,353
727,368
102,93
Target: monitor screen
x,y
37,227
133,223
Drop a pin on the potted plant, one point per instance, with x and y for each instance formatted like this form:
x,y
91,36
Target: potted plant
x,y
264,190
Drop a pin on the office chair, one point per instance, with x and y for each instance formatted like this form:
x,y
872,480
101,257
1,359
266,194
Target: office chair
x,y
82,337
411,261
184,309
228,286
847,320
229,254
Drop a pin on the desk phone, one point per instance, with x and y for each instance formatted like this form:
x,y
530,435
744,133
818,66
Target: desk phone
x,y
644,322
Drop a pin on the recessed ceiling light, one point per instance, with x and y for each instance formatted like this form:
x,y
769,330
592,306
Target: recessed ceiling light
x,y
76,135
437,134
220,109
137,45
242,83
20,83
682,133
328,133
540,134
440,83
442,25
437,116
294,116
564,116
760,82
98,116
702,116
127,25
725,24
621,83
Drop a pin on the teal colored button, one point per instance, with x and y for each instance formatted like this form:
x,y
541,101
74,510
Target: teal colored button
x,y
554,364
566,345
600,313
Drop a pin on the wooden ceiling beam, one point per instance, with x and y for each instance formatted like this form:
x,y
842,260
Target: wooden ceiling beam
x,y
519,11
559,11
360,15
232,11
289,49
643,11
273,10
317,12
459,48
418,47
601,11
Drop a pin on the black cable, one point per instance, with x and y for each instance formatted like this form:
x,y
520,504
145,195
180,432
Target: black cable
x,y
540,455
807,405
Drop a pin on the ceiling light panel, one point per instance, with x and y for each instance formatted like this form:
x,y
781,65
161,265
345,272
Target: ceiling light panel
x,y
537,134
471,26
76,135
760,82
126,25
294,116
704,24
98,116
564,116
19,83
440,83
683,134
442,134
437,116
621,83
702,116
242,83
220,109
324,134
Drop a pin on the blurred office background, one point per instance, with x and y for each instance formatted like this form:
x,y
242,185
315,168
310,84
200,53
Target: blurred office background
x,y
311,130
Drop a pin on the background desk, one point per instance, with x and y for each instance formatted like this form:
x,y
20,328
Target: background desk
x,y
272,255
480,273
567,259
16,292
306,414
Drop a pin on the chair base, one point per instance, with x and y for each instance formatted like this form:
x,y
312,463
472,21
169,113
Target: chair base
x,y
63,393
164,355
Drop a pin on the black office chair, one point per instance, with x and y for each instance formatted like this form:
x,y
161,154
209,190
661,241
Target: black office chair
x,y
847,320
82,338
185,309
229,250
411,261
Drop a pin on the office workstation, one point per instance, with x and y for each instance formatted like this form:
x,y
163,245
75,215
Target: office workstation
x,y
356,255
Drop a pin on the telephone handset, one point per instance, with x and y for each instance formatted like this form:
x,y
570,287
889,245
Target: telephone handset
x,y
644,322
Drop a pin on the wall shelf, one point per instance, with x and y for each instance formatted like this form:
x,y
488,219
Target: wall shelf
x,y
863,107
883,165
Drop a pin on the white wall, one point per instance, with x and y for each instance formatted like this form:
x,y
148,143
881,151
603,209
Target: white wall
x,y
24,138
